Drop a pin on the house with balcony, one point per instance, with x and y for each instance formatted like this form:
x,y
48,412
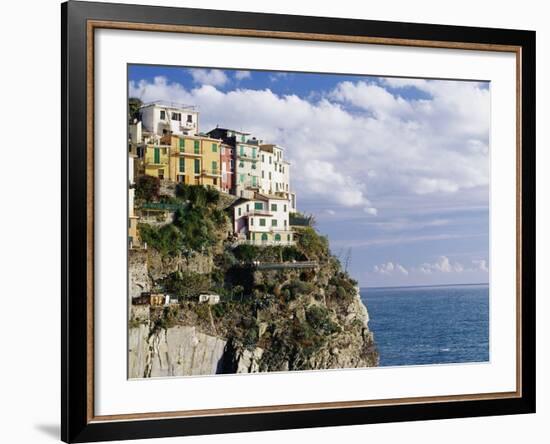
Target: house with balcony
x,y
246,148
262,221
164,118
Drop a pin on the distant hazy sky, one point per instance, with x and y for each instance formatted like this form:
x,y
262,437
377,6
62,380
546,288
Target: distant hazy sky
x,y
396,171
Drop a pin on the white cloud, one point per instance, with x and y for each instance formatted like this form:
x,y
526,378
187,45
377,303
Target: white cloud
x,y
480,265
441,265
241,75
214,77
389,268
361,143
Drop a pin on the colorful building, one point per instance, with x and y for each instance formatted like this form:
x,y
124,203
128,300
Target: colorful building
x,y
193,160
228,168
263,220
246,179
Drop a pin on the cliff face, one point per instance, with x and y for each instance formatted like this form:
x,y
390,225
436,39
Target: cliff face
x,y
184,350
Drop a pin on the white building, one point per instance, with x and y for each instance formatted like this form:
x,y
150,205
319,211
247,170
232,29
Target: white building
x,y
162,118
275,173
263,220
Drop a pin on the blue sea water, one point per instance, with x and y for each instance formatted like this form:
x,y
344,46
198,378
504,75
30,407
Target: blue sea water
x,y
429,325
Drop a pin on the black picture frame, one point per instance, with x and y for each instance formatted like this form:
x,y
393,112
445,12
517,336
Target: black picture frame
x,y
76,423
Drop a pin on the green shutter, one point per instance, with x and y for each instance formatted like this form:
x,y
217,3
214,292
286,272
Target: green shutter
x,y
273,207
197,166
157,155
262,222
277,237
182,145
182,165
241,149
214,167
253,153
273,222
214,148
258,206
197,147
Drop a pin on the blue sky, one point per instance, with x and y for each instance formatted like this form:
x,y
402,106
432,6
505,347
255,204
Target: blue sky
x,y
396,171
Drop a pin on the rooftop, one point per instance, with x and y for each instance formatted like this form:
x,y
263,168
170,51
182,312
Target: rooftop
x,y
172,105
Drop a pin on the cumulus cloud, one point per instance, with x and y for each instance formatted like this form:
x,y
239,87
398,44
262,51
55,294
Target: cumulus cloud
x,y
241,75
390,268
362,142
480,265
442,265
214,77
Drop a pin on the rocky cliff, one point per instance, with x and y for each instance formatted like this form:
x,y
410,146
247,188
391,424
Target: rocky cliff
x,y
274,317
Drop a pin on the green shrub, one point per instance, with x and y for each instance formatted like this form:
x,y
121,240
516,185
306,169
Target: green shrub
x,y
186,285
167,239
147,188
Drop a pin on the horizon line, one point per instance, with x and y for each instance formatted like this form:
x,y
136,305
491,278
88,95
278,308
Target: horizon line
x,y
427,285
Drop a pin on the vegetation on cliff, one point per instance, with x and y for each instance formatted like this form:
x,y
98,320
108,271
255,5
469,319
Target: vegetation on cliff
x,y
298,318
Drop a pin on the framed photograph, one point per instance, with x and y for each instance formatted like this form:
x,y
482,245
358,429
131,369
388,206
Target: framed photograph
x,y
275,221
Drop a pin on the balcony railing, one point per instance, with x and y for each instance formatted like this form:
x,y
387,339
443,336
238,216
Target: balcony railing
x,y
186,153
213,173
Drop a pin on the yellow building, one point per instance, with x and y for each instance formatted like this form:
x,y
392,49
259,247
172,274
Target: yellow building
x,y
193,160
157,161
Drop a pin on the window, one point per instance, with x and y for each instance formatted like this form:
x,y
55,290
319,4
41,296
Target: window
x,y
176,117
273,207
258,206
241,164
241,150
214,147
253,236
239,211
270,175
264,237
189,118
241,177
254,181
253,166
276,186
263,174
242,138
214,167
215,181
253,153
252,221
231,164
285,223
247,208
161,174
162,114
284,208
270,160
273,222
197,146
157,155
263,158
262,222
288,237
182,165
197,166
277,237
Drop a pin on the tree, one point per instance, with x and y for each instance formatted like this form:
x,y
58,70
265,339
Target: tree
x,y
147,188
134,104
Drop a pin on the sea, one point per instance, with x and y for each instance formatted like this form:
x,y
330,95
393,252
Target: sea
x,y
429,325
